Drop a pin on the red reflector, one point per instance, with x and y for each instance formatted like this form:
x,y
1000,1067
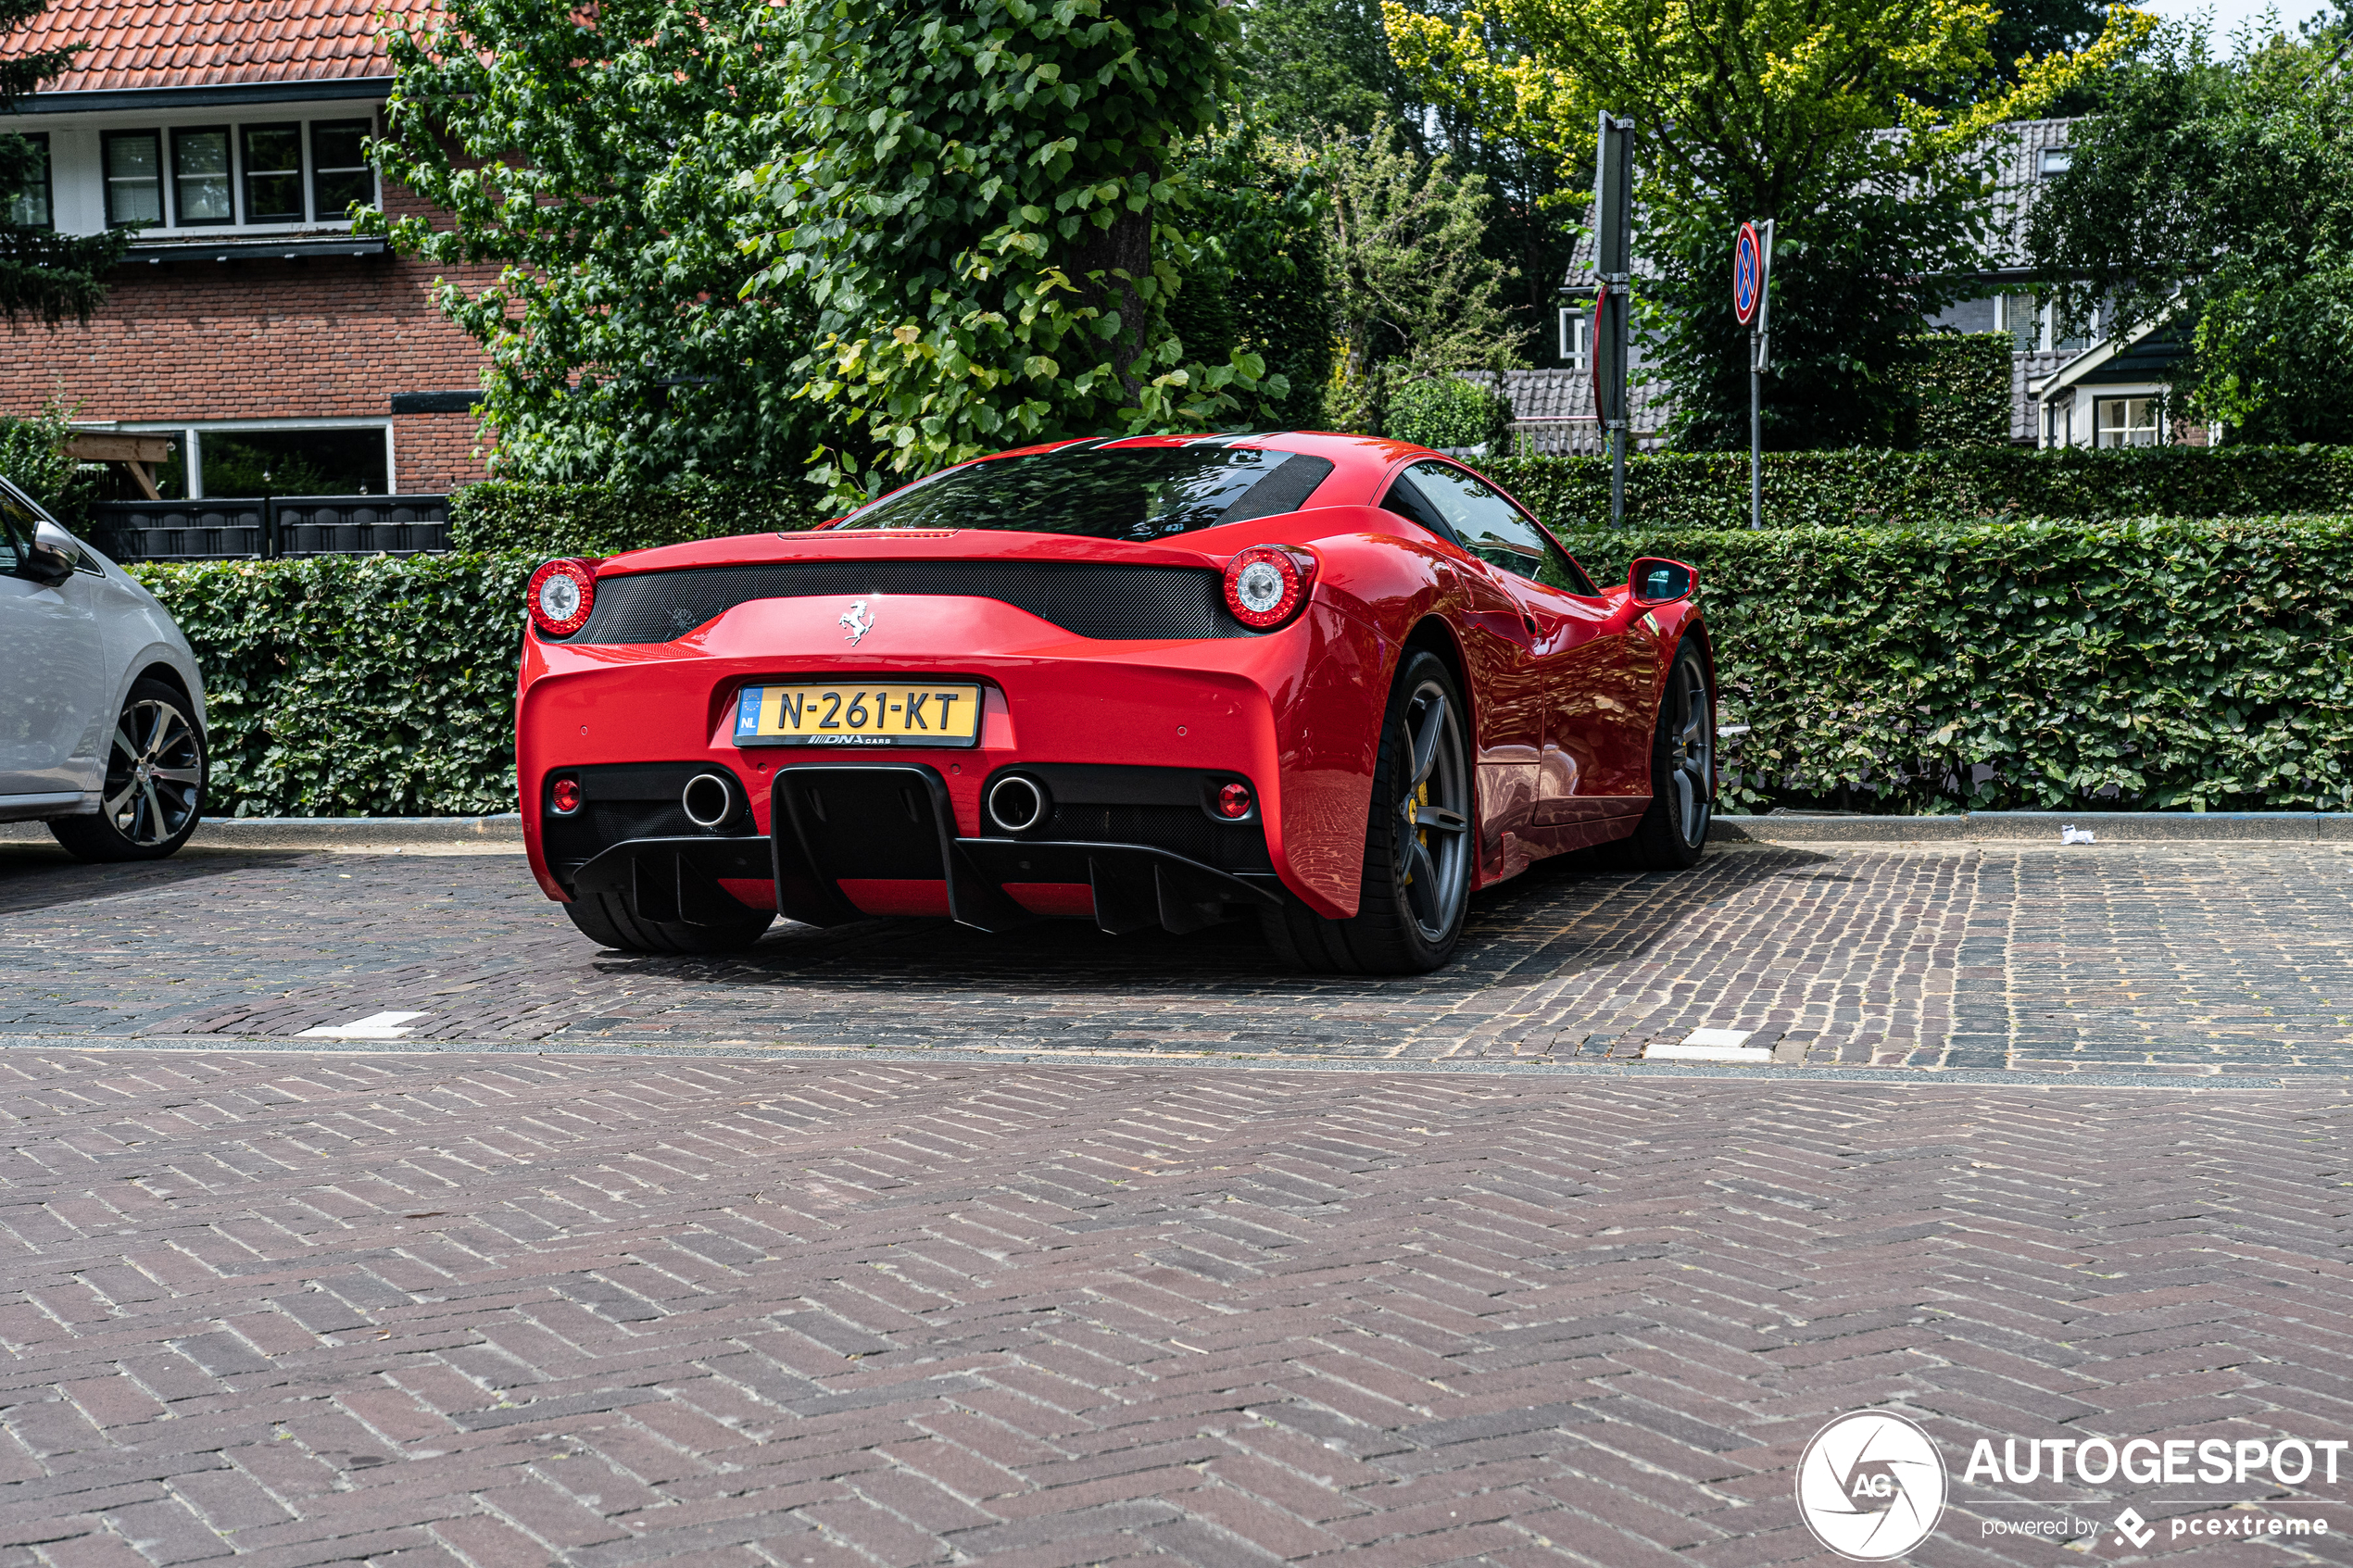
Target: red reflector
x,y
1234,800
567,797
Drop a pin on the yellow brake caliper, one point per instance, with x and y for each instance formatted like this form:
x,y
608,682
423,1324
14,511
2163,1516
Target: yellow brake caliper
x,y
1421,835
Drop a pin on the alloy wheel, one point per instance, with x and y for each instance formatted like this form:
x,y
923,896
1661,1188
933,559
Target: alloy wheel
x,y
1691,751
155,773
1433,840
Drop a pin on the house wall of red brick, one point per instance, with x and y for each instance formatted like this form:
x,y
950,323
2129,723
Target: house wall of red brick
x,y
327,337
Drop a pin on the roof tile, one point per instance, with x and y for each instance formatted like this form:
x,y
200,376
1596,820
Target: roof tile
x,y
210,42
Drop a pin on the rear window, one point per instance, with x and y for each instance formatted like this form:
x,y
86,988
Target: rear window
x,y
1135,493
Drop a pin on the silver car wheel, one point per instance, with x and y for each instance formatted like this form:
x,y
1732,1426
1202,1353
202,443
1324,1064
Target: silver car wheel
x,y
155,773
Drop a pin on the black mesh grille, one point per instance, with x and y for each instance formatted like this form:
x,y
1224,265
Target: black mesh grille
x,y
1090,600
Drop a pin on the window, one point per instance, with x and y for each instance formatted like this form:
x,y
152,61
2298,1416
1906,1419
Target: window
x,y
30,207
2016,315
133,162
339,171
1479,520
273,173
1135,493
2078,336
17,527
200,194
2056,160
1577,331
293,462
2124,421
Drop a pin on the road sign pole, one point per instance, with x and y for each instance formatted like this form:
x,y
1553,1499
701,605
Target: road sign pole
x,y
1756,432
1613,264
1752,293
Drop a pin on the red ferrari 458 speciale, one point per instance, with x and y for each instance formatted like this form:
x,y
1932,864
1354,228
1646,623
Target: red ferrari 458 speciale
x,y
1330,681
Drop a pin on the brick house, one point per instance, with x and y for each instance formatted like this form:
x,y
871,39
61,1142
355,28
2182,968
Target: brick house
x,y
275,350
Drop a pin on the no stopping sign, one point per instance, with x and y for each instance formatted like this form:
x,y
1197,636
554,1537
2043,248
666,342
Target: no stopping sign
x,y
1748,274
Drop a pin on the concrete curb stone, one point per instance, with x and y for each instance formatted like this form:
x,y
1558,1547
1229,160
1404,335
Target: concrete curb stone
x,y
2126,827
288,833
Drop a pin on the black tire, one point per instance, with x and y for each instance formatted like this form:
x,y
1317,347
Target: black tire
x,y
1674,831
1417,885
604,918
155,776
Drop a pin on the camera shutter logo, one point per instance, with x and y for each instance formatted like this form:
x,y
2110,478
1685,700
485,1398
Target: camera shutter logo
x,y
1870,1485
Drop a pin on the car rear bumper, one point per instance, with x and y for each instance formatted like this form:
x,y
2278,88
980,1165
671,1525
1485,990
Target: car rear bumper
x,y
855,840
1277,712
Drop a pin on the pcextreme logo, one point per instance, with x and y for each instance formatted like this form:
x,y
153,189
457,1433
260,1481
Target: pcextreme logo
x,y
1872,1485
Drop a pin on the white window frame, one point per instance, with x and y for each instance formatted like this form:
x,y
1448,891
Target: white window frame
x,y
2157,415
190,430
1577,328
72,214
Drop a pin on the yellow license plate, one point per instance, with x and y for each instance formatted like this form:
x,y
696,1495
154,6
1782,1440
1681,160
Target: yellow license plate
x,y
859,713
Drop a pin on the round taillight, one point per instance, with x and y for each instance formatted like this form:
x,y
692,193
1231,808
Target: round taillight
x,y
560,595
565,797
1266,584
1233,800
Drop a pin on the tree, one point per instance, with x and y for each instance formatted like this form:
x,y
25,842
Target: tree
x,y
1817,114
1412,291
773,241
592,154
2218,196
1259,281
43,274
1314,65
1319,67
981,204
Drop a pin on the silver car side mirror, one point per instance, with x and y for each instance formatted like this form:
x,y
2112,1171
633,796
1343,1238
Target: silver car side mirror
x,y
53,557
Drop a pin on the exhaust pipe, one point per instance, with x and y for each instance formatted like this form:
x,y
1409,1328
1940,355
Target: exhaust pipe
x,y
709,800
1016,804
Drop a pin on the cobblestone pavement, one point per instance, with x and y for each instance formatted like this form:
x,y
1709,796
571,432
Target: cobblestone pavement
x,y
2167,959
431,1309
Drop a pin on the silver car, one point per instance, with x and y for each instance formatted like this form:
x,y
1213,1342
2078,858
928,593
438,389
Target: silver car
x,y
101,705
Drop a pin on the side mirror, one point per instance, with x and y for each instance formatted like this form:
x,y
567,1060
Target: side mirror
x,y
1654,581
52,557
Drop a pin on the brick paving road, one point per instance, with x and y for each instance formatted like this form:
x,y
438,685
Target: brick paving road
x,y
2177,959
432,1310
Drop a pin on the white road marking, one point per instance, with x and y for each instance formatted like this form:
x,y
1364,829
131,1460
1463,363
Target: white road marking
x,y
375,1026
1710,1045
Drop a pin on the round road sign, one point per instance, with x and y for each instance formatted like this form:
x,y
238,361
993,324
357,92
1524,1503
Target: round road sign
x,y
1748,274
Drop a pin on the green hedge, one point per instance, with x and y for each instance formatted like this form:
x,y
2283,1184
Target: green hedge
x,y
2136,664
1667,492
1448,412
1961,392
1695,492
356,686
598,520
